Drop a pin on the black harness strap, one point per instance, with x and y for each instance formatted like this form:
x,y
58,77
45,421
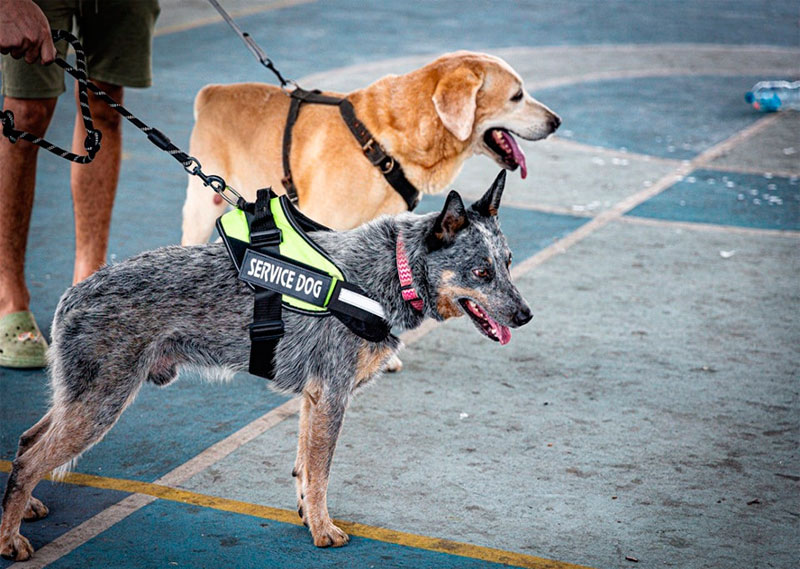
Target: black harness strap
x,y
298,97
372,149
267,327
375,153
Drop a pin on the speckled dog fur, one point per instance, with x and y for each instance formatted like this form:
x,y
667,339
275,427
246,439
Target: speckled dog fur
x,y
144,319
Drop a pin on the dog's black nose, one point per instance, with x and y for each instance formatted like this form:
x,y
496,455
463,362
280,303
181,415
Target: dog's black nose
x,y
555,122
522,316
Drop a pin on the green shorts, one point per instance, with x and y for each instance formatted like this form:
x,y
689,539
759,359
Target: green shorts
x,y
116,36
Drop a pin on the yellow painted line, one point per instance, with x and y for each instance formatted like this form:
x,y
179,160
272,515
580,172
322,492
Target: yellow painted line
x,y
205,21
290,517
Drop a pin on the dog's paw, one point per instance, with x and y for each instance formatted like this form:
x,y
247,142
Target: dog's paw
x,y
35,510
329,536
394,365
16,547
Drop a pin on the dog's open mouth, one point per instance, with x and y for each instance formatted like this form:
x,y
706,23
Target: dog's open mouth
x,y
485,323
502,143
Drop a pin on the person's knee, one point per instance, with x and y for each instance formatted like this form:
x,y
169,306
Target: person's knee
x,y
102,113
104,116
31,115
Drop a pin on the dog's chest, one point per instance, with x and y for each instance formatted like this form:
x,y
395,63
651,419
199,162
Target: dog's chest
x,y
371,360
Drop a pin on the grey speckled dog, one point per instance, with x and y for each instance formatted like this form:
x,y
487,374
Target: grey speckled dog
x,y
145,318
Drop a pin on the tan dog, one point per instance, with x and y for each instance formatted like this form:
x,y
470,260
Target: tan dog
x,y
430,120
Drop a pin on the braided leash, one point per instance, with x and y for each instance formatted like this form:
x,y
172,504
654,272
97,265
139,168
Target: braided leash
x,y
92,141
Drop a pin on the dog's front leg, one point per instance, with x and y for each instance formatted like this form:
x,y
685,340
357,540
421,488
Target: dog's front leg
x,y
309,398
323,423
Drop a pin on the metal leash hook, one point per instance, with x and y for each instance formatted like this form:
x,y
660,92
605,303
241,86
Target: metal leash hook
x,y
216,183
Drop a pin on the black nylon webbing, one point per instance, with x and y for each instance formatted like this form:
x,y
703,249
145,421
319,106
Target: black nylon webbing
x,y
372,149
267,327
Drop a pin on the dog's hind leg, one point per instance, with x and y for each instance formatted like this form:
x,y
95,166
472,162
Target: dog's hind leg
x,y
35,510
325,419
29,437
73,428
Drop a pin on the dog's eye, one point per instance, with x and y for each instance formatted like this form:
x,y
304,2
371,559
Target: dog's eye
x,y
508,262
517,96
481,273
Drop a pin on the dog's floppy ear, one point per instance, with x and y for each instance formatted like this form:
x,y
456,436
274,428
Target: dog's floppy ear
x,y
489,203
451,220
455,100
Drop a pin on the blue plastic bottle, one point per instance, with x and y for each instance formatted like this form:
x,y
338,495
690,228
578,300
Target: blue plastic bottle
x,y
770,96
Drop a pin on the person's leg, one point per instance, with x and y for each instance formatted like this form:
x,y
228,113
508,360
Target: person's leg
x,y
94,185
117,39
17,182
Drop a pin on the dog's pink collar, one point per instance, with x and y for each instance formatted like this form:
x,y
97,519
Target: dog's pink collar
x,y
407,289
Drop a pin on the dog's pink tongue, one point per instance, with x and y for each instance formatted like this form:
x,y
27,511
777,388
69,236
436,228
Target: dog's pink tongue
x,y
505,335
519,155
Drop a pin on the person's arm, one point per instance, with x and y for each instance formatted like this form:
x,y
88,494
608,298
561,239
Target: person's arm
x,y
25,32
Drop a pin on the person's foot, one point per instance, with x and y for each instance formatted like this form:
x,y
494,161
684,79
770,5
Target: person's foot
x,y
21,343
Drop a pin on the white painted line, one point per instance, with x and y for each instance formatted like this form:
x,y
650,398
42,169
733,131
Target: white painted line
x,y
226,446
102,521
79,535
709,227
633,200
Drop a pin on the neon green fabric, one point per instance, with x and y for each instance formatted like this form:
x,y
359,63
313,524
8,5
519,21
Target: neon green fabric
x,y
293,246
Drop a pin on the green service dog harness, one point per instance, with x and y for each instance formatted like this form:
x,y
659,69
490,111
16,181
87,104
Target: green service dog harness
x,y
268,245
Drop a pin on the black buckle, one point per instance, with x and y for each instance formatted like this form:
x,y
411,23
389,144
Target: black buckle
x,y
266,330
272,236
374,152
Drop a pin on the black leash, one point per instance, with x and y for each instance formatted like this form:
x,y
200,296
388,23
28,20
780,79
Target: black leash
x,y
92,142
252,45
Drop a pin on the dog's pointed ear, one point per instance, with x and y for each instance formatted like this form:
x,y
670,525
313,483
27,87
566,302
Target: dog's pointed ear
x,y
451,220
455,99
489,203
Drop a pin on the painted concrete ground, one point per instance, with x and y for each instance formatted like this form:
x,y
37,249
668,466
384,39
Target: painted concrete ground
x,y
650,410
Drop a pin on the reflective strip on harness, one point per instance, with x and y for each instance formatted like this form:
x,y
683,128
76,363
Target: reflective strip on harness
x,y
360,301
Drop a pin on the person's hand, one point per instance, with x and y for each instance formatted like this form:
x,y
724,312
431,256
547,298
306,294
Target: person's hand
x,y
25,32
